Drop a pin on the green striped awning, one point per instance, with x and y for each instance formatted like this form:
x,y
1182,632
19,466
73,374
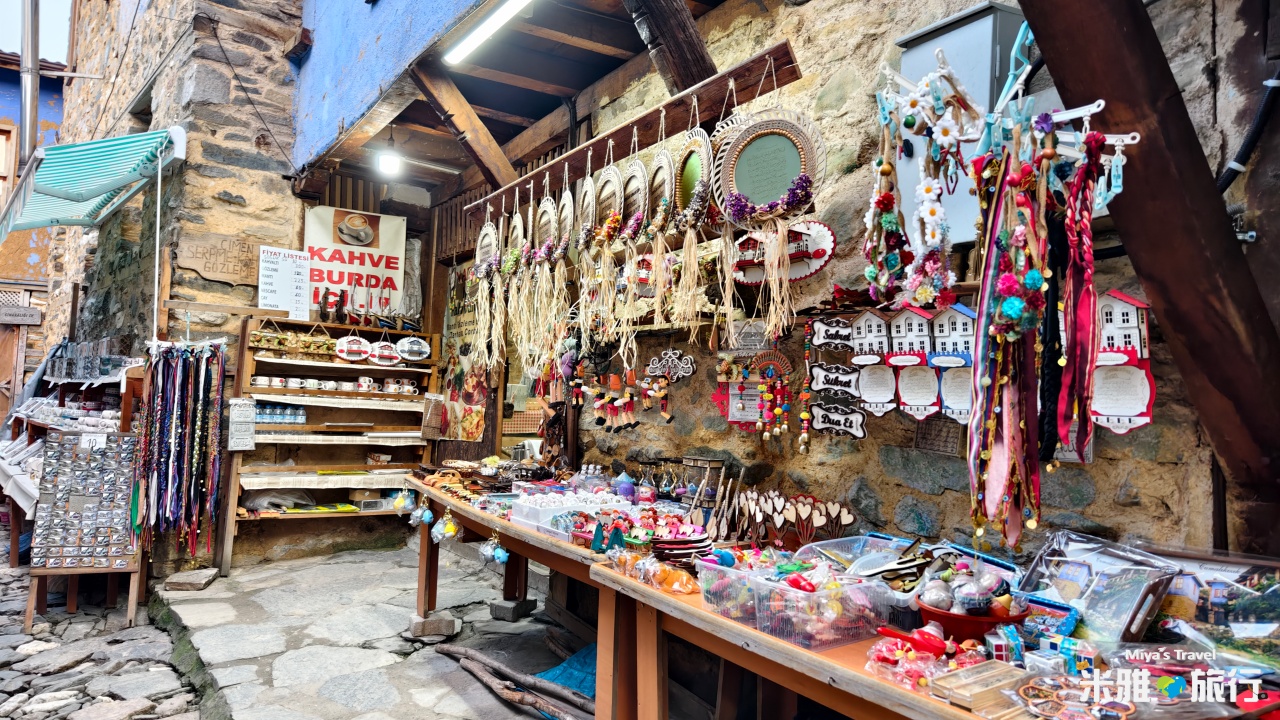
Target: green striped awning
x,y
83,183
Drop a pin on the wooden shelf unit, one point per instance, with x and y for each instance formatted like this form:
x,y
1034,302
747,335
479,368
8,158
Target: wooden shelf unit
x,y
316,447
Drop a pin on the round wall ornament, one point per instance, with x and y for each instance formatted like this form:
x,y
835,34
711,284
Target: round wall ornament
x,y
770,169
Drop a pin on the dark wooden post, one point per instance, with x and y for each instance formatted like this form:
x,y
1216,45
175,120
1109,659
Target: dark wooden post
x,y
675,46
461,119
1175,228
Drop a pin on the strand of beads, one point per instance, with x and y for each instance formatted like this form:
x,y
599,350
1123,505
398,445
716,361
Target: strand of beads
x,y
805,391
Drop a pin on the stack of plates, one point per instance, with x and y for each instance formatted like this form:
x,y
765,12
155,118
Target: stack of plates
x,y
682,552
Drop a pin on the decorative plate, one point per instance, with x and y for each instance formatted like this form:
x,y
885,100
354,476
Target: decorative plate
x,y
413,349
546,222
383,353
766,155
353,348
692,164
609,194
810,243
635,191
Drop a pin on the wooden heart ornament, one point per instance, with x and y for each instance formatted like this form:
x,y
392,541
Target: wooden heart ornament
x,y
803,510
819,518
833,509
846,517
779,520
789,512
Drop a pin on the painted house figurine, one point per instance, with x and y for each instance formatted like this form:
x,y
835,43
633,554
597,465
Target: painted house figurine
x,y
871,337
1122,323
909,332
953,337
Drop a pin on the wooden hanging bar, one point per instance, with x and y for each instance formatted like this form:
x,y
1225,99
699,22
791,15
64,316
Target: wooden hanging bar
x,y
711,94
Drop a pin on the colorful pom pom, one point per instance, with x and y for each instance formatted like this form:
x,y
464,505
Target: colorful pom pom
x,y
1008,284
1013,308
1033,280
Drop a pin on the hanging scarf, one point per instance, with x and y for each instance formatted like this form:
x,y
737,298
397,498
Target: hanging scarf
x,y
1080,301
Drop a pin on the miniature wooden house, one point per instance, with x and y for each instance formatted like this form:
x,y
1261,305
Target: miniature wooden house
x,y
1122,324
1183,597
870,337
910,330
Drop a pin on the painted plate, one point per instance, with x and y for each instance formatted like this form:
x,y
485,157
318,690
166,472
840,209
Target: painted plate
x,y
353,348
811,245
413,348
383,353
766,155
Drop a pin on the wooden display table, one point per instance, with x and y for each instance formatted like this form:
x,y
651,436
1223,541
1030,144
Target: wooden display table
x,y
836,678
615,636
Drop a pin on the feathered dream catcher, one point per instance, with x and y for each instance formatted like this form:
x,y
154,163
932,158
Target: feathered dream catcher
x,y
769,166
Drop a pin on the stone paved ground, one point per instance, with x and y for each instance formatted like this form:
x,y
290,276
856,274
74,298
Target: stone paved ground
x,y
325,638
84,666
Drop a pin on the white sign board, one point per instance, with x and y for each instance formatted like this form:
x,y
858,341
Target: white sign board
x,y
244,413
282,281
362,253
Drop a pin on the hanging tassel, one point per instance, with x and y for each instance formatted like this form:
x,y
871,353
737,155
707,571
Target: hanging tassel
x,y
781,312
484,321
728,289
658,277
686,296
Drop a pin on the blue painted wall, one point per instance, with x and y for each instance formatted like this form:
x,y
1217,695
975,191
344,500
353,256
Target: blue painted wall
x,y
358,51
50,104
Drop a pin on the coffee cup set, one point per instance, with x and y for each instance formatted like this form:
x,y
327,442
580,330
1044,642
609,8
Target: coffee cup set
x,y
392,386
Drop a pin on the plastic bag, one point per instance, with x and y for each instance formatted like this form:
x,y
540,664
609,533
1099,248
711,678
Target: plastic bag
x,y
420,514
259,500
404,502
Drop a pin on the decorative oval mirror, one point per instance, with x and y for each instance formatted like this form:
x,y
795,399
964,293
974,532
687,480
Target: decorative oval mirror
x,y
762,163
487,245
515,238
635,191
546,222
413,349
566,213
608,193
693,163
661,179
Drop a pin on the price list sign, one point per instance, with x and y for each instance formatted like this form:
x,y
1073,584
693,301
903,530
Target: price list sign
x,y
282,281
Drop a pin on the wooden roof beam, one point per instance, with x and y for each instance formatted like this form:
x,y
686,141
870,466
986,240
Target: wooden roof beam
x,y
461,119
528,69
675,46
1176,231
500,116
588,31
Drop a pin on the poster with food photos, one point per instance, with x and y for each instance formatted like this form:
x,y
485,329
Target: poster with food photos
x,y
83,520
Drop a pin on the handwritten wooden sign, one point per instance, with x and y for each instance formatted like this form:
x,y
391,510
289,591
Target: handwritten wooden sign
x,y
837,420
833,334
222,258
834,379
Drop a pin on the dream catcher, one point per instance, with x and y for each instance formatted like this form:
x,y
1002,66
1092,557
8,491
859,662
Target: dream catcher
x,y
661,198
940,112
767,172
692,194
484,271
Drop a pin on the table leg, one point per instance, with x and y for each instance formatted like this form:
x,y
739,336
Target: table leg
x,y
625,674
515,578
428,567
651,665
113,590
32,592
775,702
606,651
728,690
135,593
16,517
42,594
73,593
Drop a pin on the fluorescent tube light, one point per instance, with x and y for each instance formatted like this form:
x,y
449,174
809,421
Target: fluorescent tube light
x,y
484,31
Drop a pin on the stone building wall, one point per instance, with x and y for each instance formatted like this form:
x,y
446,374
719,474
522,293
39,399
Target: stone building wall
x,y
1153,483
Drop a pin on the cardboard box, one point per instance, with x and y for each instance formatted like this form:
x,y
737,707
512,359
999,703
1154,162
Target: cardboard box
x,y
359,495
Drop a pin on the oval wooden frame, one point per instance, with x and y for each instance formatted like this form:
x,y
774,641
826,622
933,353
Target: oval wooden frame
x,y
799,129
546,214
515,238
609,191
636,173
586,209
565,215
696,142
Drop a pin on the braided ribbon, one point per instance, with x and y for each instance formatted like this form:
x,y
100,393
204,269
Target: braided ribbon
x,y
1080,301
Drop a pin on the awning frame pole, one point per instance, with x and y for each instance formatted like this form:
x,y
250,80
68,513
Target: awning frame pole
x,y
155,298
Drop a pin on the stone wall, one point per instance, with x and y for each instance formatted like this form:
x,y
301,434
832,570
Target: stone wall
x,y
1153,483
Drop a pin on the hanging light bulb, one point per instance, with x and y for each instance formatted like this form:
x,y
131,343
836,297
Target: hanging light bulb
x,y
389,160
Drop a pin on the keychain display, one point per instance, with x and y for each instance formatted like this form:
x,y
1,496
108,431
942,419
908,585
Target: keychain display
x,y
444,528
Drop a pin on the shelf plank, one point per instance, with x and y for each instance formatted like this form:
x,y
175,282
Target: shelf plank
x,y
343,403
308,516
263,469
304,392
337,440
346,329
339,428
341,367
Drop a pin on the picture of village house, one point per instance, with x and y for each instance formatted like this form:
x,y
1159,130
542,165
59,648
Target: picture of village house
x,y
1235,605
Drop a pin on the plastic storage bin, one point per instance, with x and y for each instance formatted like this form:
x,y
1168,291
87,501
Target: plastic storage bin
x,y
870,551
543,515
728,592
826,618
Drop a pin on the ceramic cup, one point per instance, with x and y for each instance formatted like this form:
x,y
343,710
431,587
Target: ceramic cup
x,y
260,381
330,385
409,383
312,383
391,383
363,386
347,386
295,383
390,387
406,390
365,380
277,382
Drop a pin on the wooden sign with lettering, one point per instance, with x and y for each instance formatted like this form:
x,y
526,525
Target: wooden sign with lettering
x,y
837,420
222,258
834,379
833,334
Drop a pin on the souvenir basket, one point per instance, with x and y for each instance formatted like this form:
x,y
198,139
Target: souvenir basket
x,y
863,552
823,619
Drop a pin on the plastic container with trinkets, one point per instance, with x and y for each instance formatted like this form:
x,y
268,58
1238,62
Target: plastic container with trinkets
x,y
725,578
819,608
861,554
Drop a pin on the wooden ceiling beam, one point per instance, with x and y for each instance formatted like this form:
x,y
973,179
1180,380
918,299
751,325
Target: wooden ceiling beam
x,y
588,31
500,116
458,115
399,96
676,47
1176,230
528,69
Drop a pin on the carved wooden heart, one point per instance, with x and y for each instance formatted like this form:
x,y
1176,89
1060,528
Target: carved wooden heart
x,y
759,515
819,520
778,503
779,520
846,517
789,512
804,510
833,509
